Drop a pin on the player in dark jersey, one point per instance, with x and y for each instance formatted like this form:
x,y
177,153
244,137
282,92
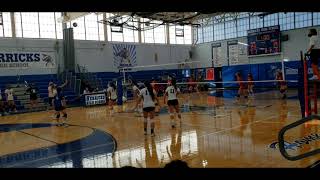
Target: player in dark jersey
x,y
281,84
242,87
59,104
250,84
33,91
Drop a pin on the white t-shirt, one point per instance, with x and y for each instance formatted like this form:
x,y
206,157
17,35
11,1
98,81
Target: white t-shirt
x,y
9,93
172,92
50,91
113,93
314,40
147,100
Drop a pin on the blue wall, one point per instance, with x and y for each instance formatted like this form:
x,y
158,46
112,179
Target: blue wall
x,y
265,71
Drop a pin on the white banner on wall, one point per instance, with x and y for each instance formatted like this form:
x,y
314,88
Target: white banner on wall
x,y
26,60
237,53
217,55
233,52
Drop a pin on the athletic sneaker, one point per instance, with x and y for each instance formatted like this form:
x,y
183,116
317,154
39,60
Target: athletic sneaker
x,y
59,124
65,124
314,77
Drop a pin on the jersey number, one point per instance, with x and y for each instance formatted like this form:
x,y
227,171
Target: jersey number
x,y
172,91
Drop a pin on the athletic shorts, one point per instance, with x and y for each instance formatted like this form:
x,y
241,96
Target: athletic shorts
x,y
33,97
50,100
315,56
173,102
148,109
59,108
113,100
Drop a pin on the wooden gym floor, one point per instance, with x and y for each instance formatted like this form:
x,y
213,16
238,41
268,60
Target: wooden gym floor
x,y
215,132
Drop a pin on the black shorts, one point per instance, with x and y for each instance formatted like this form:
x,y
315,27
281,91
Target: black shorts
x,y
59,108
50,100
148,109
33,97
173,102
315,56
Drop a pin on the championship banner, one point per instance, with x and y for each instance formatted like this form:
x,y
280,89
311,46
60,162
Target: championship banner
x,y
124,55
25,60
217,54
210,74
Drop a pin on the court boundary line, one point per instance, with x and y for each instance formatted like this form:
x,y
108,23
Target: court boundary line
x,y
38,137
89,148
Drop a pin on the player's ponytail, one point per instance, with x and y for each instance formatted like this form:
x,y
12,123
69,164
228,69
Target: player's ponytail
x,y
150,89
174,83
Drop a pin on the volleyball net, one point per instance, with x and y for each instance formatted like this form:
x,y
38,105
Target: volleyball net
x,y
193,76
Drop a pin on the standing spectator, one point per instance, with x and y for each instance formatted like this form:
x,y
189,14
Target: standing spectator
x,y
314,51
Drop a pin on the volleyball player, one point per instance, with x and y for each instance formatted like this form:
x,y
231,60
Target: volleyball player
x,y
242,91
136,94
149,96
10,99
50,93
59,104
112,96
172,101
282,84
250,84
33,90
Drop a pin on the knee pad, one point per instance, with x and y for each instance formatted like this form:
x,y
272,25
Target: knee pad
x,y
238,95
65,115
58,116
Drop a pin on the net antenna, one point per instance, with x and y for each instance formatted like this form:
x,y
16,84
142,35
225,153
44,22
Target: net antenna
x,y
1,19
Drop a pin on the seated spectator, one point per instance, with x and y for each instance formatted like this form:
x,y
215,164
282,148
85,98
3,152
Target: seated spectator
x,y
86,91
2,106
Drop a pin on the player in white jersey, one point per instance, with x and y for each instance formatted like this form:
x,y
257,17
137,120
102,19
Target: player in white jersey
x,y
172,101
112,95
136,94
149,96
10,99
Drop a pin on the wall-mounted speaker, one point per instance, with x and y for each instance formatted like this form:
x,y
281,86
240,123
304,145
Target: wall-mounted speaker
x,y
155,57
285,37
190,54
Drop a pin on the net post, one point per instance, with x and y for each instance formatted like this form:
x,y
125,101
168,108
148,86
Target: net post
x,y
283,70
119,91
305,84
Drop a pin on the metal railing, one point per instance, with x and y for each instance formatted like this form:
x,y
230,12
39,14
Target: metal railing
x,y
281,140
